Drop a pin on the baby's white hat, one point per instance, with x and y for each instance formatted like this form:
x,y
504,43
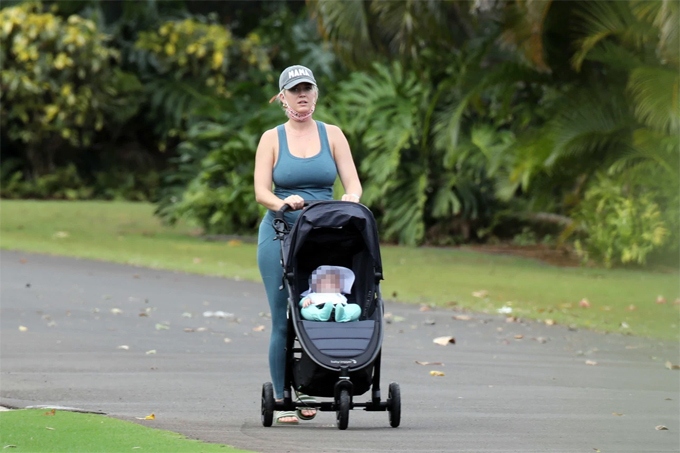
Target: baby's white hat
x,y
346,277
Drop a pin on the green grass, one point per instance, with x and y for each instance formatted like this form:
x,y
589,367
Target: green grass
x,y
37,430
622,300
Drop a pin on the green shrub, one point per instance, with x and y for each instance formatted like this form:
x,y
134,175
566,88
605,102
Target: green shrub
x,y
621,225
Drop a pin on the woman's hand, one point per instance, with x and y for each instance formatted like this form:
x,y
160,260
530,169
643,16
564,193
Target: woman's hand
x,y
351,197
294,201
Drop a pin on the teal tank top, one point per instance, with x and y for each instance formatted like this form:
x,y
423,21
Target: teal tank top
x,y
310,177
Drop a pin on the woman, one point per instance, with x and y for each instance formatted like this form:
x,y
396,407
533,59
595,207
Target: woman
x,y
301,159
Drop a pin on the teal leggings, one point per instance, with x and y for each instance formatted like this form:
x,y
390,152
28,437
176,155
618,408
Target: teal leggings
x,y
268,260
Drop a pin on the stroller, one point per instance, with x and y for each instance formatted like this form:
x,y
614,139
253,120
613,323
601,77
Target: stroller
x,y
329,359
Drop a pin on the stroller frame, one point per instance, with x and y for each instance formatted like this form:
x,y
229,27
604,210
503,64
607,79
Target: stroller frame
x,y
343,388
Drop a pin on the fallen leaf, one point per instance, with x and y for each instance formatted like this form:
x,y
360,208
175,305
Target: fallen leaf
x,y
52,412
259,328
144,314
519,336
596,450
444,340
124,347
150,351
541,340
660,299
234,243
425,308
61,234
584,303
436,373
9,446
23,329
186,315
618,414
227,340
49,427
160,326
505,310
624,325
428,363
116,311
201,329
480,294
661,428
672,366
148,417
462,317
197,260
550,322
511,319
429,322
591,362
631,307
189,329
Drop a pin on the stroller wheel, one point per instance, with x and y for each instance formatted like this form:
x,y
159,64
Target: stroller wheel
x,y
267,406
394,404
342,412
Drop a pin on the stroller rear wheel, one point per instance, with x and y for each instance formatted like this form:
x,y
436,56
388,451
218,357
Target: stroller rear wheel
x,y
394,404
342,412
267,406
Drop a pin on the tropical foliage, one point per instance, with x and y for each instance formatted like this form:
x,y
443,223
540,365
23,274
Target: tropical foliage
x,y
469,120
58,83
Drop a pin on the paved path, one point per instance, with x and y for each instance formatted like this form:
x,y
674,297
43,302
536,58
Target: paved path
x,y
129,342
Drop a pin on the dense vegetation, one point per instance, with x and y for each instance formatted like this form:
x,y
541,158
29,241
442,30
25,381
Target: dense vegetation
x,y
470,121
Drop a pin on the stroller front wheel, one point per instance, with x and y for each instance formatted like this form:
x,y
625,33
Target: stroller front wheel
x,y
267,405
342,413
394,404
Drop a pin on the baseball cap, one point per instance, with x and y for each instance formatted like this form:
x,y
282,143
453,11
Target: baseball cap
x,y
294,75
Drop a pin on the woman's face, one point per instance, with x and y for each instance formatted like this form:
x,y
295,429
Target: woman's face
x,y
301,97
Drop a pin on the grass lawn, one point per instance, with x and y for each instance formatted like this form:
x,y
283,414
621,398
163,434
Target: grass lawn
x,y
621,300
45,431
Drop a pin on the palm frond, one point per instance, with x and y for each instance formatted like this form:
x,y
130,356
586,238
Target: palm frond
x,y
656,92
602,20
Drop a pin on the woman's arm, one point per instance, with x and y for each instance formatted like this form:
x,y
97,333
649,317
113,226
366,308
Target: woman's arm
x,y
264,167
345,163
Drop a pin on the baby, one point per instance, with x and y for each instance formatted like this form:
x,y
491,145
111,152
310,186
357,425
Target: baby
x,y
325,294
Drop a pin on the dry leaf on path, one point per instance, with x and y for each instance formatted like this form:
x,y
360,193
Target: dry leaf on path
x,y
661,428
591,362
151,351
549,322
23,329
617,414
428,363
259,328
148,417
444,340
227,340
123,347
672,366
436,373
116,311
462,317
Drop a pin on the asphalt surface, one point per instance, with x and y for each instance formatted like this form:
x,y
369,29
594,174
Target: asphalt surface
x,y
129,342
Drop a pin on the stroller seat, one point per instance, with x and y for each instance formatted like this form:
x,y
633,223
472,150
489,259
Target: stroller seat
x,y
335,339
